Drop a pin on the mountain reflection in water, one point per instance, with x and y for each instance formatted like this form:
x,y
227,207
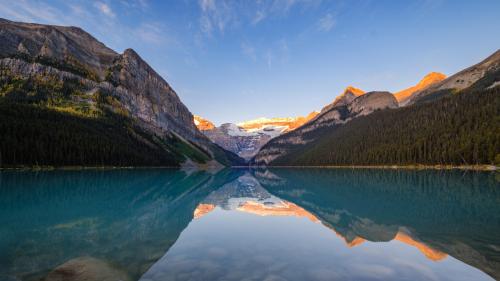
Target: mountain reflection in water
x,y
281,224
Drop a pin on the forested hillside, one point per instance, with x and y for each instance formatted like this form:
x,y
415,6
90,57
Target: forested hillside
x,y
459,129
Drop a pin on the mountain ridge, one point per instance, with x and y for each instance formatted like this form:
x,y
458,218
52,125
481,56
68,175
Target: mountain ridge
x,y
37,60
246,138
488,67
296,147
428,80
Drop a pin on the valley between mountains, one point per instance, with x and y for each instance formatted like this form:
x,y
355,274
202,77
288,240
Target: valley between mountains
x,y
68,100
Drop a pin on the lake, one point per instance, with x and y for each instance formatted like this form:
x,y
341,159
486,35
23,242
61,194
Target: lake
x,y
238,224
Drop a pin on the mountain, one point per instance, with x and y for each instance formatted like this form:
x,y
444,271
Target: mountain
x,y
67,99
203,124
430,79
482,76
246,138
349,94
349,105
451,122
283,124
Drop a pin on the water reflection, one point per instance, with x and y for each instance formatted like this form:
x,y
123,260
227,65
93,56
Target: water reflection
x,y
439,212
282,224
126,218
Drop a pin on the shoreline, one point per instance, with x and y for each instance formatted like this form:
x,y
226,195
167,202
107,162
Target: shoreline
x,y
81,168
391,167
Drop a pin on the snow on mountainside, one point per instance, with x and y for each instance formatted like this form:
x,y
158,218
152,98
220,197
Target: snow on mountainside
x,y
286,123
246,138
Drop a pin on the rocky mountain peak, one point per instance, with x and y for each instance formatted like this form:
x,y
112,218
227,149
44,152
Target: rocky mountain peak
x,y
428,80
311,115
431,78
349,94
487,72
203,124
77,48
354,91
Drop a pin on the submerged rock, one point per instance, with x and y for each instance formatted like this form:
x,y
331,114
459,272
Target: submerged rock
x,y
87,269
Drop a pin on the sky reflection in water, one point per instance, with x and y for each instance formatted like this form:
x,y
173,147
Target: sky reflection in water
x,y
283,224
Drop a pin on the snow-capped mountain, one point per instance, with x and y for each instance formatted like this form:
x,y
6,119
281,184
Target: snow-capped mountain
x,y
246,138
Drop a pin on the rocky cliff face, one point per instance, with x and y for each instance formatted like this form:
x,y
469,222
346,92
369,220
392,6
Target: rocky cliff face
x,y
369,102
352,103
125,81
149,98
246,138
71,45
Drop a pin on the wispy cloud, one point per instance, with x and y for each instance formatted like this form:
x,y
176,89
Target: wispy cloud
x,y
278,8
219,15
326,23
259,16
215,15
97,17
134,4
32,12
153,33
104,8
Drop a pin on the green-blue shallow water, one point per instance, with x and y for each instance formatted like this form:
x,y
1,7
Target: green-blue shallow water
x,y
278,224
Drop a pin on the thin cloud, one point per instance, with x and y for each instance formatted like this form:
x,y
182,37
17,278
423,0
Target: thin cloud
x,y
134,4
259,16
151,33
326,23
33,12
219,15
105,9
216,15
207,5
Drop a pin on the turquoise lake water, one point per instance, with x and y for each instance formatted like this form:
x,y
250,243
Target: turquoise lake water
x,y
237,224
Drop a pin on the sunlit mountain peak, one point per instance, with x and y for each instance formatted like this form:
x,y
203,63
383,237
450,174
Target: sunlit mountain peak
x,y
427,81
202,123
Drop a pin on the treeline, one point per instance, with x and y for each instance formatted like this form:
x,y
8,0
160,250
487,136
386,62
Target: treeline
x,y
48,121
32,135
461,129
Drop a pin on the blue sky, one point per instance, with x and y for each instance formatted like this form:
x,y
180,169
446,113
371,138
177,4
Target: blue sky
x,y
231,61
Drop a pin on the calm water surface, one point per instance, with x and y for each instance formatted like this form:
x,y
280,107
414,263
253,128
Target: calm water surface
x,y
281,224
